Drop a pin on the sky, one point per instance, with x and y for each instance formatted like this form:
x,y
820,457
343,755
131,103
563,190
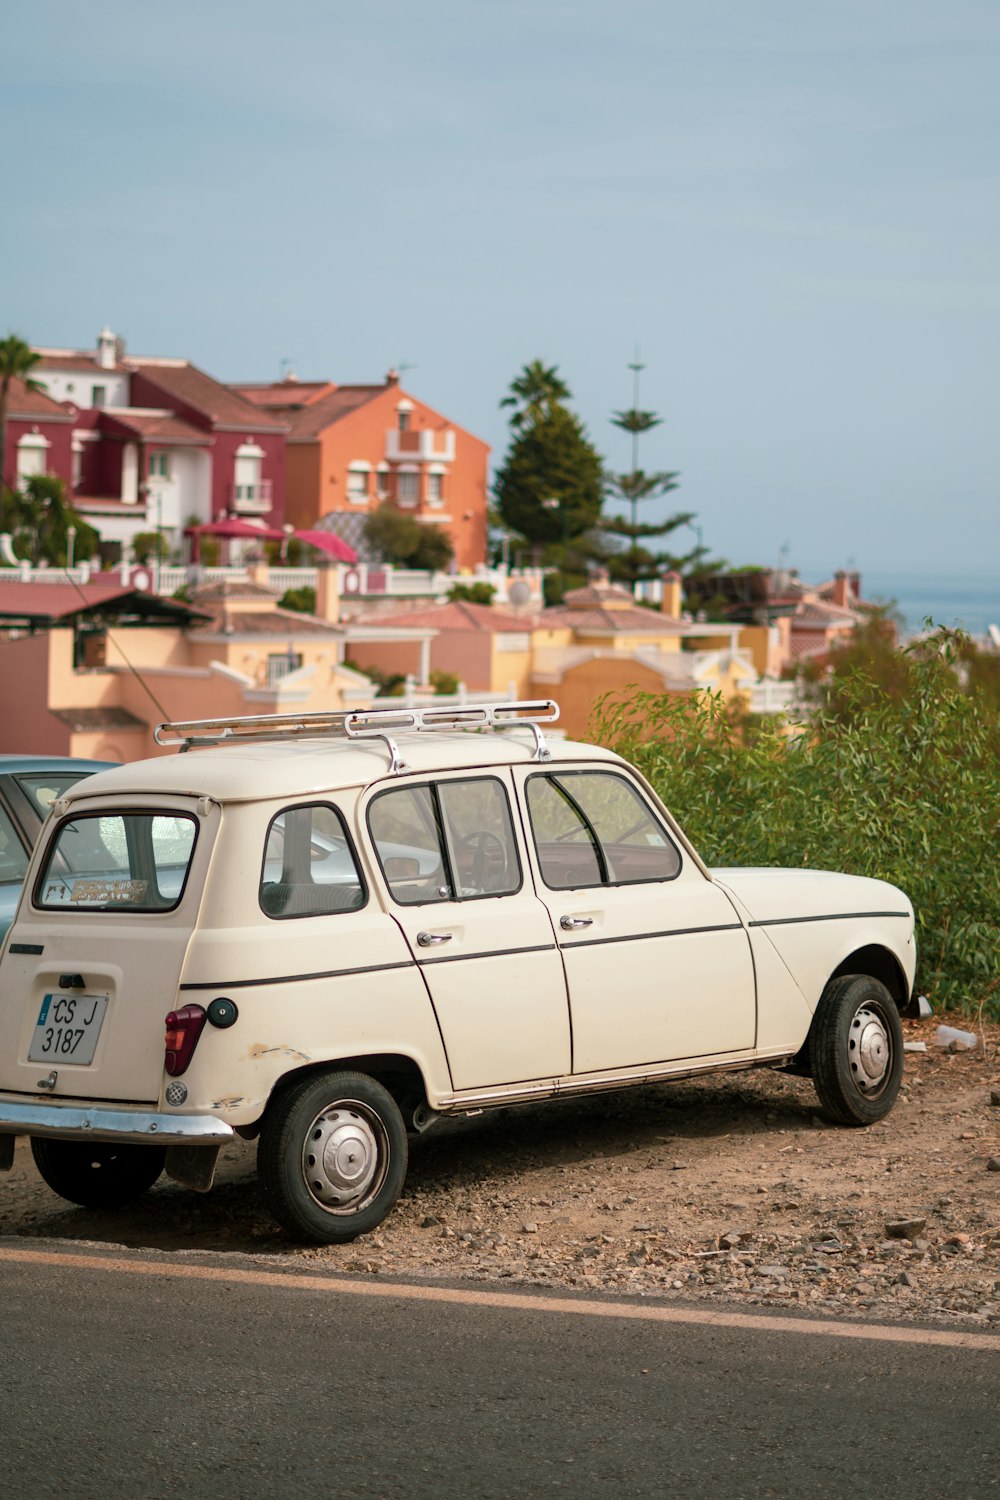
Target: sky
x,y
789,207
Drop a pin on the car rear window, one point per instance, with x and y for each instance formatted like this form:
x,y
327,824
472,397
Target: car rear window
x,y
127,861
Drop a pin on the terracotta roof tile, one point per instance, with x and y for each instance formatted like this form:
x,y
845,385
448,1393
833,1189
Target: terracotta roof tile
x,y
110,716
277,624
286,395
309,421
75,359
165,429
629,620
458,614
224,406
23,402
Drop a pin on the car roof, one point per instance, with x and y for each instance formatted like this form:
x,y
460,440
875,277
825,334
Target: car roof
x,y
265,770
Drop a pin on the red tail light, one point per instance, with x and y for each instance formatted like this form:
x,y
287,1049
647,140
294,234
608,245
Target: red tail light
x,y
184,1027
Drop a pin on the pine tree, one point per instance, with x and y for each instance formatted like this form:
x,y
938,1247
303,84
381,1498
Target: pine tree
x,y
550,486
637,561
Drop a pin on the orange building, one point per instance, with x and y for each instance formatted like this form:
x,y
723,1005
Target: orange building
x,y
350,448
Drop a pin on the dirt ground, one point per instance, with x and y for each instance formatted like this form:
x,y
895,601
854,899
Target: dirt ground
x,y
728,1188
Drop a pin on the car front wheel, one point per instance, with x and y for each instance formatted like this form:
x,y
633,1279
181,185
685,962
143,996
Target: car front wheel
x,y
97,1174
332,1157
856,1050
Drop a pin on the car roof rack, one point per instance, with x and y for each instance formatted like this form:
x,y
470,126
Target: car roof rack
x,y
365,723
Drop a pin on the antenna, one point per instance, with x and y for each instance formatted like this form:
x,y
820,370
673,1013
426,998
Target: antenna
x,y
286,367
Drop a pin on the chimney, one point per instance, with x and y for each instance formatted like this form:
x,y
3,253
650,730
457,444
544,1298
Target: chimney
x,y
392,377
328,591
106,348
842,595
670,599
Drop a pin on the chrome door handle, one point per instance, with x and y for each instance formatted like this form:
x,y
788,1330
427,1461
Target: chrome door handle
x,y
570,924
431,939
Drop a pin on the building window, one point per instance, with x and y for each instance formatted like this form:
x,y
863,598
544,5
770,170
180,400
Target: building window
x,y
159,466
435,489
32,452
382,482
99,395
357,485
407,487
404,421
279,666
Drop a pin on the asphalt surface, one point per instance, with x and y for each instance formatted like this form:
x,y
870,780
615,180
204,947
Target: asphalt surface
x,y
136,1379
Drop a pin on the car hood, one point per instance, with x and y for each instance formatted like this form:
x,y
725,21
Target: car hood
x,y
784,895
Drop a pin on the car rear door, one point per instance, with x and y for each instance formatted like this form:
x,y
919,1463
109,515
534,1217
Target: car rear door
x,y
658,964
452,865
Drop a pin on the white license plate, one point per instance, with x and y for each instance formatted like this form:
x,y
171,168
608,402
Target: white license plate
x,y
67,1028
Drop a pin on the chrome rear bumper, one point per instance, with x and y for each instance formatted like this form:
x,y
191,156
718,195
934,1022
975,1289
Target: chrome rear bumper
x,y
109,1122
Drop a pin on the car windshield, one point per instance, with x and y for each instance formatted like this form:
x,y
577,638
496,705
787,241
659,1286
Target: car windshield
x,y
13,860
118,862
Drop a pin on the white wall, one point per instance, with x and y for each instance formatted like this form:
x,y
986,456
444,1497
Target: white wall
x,y
78,385
184,494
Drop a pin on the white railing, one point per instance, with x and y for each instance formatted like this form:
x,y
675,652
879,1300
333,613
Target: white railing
x,y
772,697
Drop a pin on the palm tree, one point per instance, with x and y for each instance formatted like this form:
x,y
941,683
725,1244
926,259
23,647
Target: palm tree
x,y
17,360
534,393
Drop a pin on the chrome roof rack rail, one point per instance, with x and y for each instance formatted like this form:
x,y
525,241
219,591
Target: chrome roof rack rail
x,y
366,723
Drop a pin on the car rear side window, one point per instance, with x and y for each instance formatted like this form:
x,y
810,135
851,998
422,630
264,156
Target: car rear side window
x,y
127,861
594,828
310,869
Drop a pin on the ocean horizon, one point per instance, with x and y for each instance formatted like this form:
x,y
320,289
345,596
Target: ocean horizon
x,y
968,602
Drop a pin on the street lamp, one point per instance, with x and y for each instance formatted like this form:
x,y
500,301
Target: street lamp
x,y
70,541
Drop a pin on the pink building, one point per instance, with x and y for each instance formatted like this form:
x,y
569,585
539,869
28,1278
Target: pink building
x,y
146,444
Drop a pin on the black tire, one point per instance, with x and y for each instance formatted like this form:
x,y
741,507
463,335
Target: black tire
x,y
332,1157
856,1050
97,1174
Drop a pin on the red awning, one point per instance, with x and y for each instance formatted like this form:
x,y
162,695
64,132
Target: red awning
x,y
330,543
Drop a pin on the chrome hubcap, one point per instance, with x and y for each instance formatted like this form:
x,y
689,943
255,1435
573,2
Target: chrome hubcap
x,y
869,1050
344,1157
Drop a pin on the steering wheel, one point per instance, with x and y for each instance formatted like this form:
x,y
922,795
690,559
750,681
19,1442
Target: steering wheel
x,y
489,860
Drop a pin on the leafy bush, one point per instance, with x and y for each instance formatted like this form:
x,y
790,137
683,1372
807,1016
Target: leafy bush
x,y
302,600
404,542
148,545
472,593
903,787
445,684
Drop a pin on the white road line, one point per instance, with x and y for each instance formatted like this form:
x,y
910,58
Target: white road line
x,y
655,1312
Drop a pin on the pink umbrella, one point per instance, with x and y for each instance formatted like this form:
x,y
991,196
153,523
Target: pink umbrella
x,y
330,543
233,529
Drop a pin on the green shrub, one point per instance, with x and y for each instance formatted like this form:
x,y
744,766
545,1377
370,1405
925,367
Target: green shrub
x,y
903,787
472,593
302,600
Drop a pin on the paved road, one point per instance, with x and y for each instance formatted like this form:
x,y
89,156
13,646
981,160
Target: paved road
x,y
137,1375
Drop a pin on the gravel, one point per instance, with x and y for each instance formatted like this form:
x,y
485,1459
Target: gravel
x,y
728,1189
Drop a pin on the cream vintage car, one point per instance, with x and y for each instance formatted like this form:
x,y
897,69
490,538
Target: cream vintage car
x,y
329,932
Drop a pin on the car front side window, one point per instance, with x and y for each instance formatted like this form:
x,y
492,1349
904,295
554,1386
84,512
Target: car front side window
x,y
594,828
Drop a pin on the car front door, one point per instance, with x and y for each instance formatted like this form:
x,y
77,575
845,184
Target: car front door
x,y
454,875
658,965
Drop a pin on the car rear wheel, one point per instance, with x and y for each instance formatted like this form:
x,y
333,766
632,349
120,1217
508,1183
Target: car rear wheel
x,y
97,1174
332,1157
856,1050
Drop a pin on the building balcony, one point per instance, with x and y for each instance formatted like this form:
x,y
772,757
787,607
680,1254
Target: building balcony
x,y
249,499
423,445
